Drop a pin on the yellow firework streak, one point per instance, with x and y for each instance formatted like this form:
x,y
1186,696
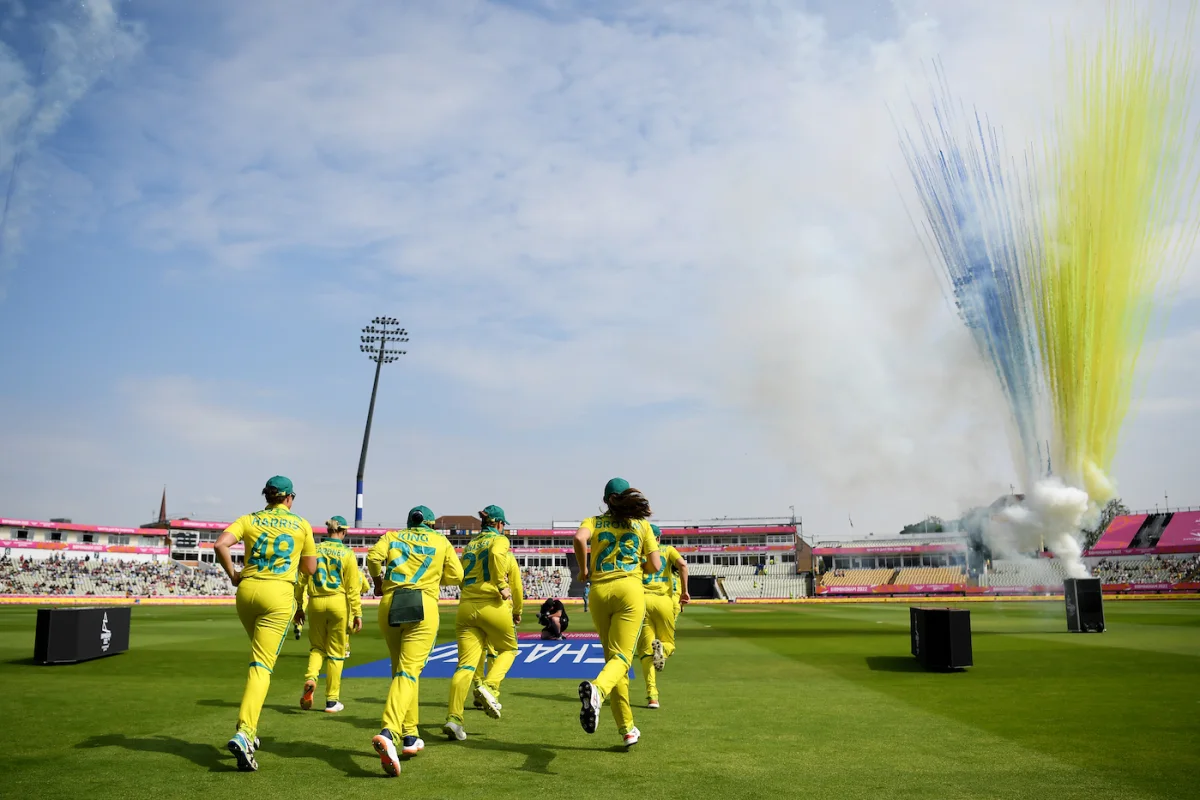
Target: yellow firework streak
x,y
1118,229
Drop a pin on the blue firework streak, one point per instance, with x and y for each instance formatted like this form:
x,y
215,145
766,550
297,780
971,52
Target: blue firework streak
x,y
986,241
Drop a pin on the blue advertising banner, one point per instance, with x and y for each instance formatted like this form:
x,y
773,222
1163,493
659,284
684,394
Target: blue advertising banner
x,y
574,658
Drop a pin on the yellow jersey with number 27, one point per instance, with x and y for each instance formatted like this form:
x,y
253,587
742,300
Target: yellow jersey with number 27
x,y
415,558
618,551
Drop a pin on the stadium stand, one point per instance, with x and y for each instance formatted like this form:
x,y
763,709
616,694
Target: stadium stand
x,y
109,577
929,575
113,577
768,586
1147,569
1033,572
857,577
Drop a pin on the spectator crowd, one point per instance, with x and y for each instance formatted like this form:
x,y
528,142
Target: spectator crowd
x,y
109,577
1151,569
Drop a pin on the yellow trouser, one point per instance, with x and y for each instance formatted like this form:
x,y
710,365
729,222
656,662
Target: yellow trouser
x,y
266,608
409,646
326,618
659,624
617,607
479,624
486,659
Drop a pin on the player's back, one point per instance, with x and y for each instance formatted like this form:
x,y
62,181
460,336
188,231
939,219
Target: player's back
x,y
661,582
618,549
485,561
415,558
274,539
333,570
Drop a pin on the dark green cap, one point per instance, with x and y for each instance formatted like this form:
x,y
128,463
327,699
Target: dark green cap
x,y
281,485
427,516
615,486
336,522
657,530
494,513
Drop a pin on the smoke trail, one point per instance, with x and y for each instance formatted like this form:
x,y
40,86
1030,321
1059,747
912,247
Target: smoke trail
x,y
986,242
982,220
78,44
1123,223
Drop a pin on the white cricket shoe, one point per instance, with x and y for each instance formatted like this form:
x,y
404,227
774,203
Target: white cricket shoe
x,y
632,737
491,706
660,660
412,745
388,759
454,731
333,706
243,750
589,700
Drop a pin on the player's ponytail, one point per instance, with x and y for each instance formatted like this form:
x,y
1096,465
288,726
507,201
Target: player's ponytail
x,y
627,506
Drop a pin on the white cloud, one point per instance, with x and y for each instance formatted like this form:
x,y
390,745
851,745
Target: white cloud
x,y
69,48
581,218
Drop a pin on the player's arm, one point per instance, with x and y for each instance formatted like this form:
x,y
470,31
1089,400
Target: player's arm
x,y
302,582
229,537
452,569
650,547
582,536
498,554
518,590
352,581
682,568
308,551
375,564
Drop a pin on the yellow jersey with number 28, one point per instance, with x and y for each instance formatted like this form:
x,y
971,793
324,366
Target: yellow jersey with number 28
x,y
618,551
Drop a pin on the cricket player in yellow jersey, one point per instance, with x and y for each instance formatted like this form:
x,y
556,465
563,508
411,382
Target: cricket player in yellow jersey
x,y
333,603
657,640
610,550
278,545
488,657
485,616
407,568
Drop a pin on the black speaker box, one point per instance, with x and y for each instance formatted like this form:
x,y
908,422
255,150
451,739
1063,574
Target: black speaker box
x,y
1085,605
941,637
69,635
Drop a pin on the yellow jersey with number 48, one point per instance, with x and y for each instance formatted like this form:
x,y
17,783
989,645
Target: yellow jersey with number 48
x,y
414,558
618,551
275,539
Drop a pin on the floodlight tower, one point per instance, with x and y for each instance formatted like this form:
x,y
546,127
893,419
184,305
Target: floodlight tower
x,y
375,338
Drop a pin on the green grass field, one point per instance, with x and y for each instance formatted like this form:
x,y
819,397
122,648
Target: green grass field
x,y
759,701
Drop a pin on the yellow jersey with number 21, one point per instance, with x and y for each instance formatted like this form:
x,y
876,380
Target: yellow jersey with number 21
x,y
618,551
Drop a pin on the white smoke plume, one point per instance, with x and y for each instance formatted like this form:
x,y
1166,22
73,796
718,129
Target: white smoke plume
x,y
1053,514
51,56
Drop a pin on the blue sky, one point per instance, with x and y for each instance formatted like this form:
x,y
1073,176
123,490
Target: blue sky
x,y
626,238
